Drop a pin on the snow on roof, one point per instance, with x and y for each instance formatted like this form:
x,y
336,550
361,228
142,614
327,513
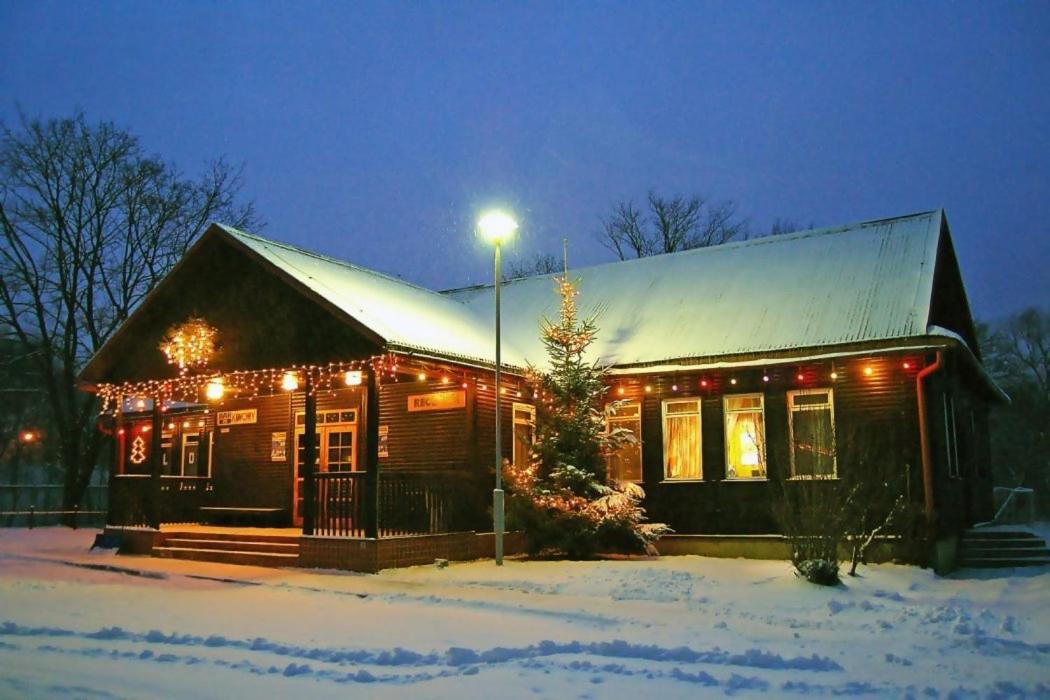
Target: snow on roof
x,y
864,282
403,314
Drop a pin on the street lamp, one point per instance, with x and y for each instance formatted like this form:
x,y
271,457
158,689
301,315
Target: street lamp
x,y
497,227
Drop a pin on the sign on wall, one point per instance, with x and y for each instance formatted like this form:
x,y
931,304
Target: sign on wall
x,y
437,401
384,441
278,447
245,416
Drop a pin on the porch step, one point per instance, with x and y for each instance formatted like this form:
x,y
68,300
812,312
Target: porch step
x,y
228,556
996,549
229,536
243,545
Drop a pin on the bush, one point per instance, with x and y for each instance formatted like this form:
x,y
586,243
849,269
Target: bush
x,y
822,572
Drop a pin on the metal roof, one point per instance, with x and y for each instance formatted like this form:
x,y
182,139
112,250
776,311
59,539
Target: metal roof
x,y
850,284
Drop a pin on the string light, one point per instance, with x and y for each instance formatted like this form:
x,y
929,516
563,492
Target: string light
x,y
834,375
765,378
421,376
674,387
733,381
906,365
648,389
703,383
620,391
868,371
800,376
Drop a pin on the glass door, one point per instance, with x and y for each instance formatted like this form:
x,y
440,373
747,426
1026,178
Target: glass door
x,y
336,449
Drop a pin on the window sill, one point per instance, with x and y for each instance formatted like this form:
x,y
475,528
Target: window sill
x,y
804,477
683,481
759,479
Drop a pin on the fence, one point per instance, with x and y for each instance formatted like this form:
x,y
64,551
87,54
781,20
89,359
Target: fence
x,y
39,505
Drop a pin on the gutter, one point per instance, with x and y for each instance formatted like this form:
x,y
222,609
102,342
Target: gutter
x,y
924,438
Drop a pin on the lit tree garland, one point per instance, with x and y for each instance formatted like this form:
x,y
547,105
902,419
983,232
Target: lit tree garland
x,y
190,345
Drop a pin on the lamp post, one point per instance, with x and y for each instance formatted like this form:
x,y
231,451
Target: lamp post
x,y
497,227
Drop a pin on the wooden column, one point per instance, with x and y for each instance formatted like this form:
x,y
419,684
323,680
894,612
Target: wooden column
x,y
309,465
117,464
371,502
156,428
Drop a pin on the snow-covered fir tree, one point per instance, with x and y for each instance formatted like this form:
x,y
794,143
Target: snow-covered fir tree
x,y
562,499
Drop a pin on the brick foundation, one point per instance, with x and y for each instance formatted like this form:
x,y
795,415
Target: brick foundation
x,y
370,555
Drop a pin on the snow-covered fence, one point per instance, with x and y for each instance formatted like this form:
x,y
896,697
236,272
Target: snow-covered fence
x,y
24,505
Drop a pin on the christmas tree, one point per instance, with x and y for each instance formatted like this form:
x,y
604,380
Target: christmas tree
x,y
562,499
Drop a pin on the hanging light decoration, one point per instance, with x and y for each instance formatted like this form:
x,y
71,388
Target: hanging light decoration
x,y
290,381
215,389
189,345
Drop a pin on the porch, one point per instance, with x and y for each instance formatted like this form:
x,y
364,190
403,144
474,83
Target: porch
x,y
288,547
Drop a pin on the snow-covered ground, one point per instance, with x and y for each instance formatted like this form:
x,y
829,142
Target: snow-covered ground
x,y
89,625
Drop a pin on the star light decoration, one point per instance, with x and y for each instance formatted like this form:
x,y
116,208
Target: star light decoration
x,y
190,345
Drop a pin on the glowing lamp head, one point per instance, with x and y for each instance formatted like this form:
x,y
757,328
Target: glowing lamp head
x,y
868,371
733,381
834,375
290,381
648,389
352,378
28,436
703,383
765,377
497,227
215,389
674,387
620,391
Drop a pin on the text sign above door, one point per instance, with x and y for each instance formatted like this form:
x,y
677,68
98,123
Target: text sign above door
x,y
245,416
437,401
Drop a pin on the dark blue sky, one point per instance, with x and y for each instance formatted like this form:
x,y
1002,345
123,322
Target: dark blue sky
x,y
375,132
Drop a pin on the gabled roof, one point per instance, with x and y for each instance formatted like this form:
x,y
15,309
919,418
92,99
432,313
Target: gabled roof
x,y
851,284
404,315
864,284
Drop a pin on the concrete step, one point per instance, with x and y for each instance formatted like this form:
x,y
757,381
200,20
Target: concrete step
x,y
973,552
1001,562
230,536
999,535
225,556
242,545
1004,544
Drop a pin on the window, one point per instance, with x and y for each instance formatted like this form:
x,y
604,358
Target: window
x,y
626,463
951,439
811,423
196,454
524,428
745,436
682,459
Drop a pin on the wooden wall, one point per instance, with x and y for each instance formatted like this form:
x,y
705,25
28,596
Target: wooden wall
x,y
882,403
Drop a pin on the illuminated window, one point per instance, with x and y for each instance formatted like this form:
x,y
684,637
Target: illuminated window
x,y
682,442
626,463
524,429
811,423
745,436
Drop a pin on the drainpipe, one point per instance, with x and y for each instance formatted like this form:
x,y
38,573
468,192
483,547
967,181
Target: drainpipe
x,y
924,438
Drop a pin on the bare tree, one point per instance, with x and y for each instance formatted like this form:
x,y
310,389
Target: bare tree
x,y
539,264
669,225
89,224
1017,353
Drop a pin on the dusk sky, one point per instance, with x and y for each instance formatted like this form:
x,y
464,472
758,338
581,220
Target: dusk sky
x,y
375,132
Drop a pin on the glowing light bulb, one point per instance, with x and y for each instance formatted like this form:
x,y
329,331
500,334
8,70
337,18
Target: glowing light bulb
x,y
868,371
352,378
765,377
421,376
733,381
620,391
290,381
674,387
215,389
834,375
648,389
800,376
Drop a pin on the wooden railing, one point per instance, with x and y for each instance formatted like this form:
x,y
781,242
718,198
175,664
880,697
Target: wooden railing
x,y
340,510
412,503
409,503
179,500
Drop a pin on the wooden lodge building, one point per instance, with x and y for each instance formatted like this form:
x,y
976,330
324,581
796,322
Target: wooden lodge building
x,y
738,366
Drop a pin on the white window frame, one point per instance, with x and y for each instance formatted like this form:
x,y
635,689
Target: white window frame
x,y
515,421
612,418
700,431
726,412
951,437
204,435
791,430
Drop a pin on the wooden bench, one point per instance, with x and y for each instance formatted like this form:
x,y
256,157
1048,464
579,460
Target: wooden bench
x,y
260,517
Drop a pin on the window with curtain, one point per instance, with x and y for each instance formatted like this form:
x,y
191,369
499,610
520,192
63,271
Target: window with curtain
x,y
811,423
524,429
682,460
745,436
626,463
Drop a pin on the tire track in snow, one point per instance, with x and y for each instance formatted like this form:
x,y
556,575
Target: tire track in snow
x,y
453,657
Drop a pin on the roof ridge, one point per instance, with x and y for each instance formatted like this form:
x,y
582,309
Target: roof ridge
x,y
731,245
326,258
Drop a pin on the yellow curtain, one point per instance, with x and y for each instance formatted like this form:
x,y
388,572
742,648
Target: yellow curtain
x,y
683,447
